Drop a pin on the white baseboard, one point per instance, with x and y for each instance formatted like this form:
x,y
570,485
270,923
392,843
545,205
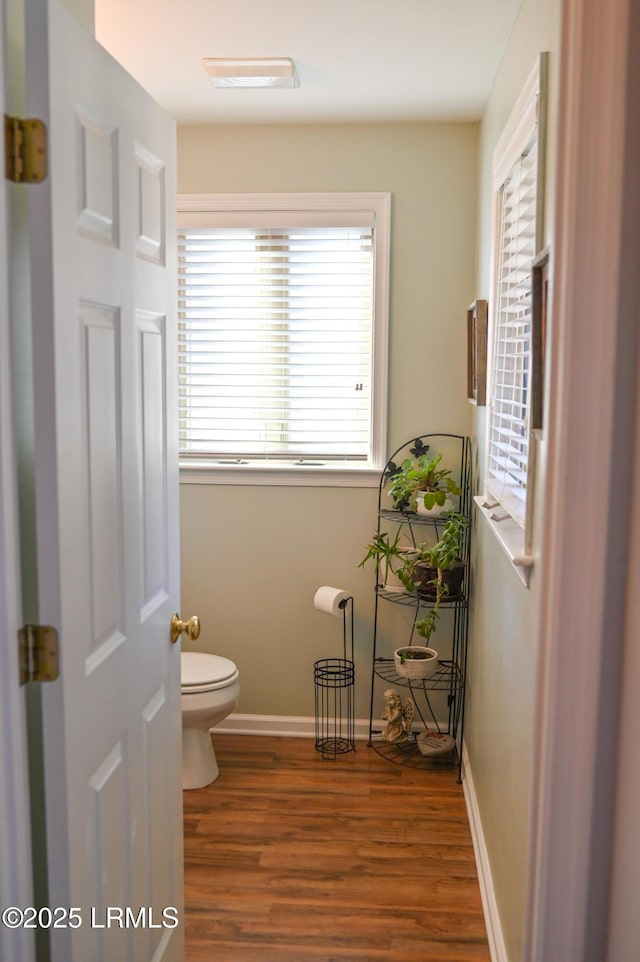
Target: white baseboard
x,y
294,726
490,907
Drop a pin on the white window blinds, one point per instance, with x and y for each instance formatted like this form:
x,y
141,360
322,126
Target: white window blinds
x,y
275,331
510,380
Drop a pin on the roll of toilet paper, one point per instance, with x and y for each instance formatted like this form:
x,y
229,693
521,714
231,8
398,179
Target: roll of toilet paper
x,y
328,599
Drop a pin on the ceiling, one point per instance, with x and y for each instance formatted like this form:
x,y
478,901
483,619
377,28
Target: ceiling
x,y
359,61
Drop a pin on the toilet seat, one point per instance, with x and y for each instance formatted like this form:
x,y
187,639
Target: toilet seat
x,y
202,672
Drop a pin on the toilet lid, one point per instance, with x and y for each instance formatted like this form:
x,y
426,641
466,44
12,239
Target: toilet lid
x,y
202,671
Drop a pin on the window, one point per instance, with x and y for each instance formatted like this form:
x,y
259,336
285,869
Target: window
x,y
282,333
518,172
508,453
518,189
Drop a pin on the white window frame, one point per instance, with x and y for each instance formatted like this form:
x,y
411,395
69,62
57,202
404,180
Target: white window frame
x,y
349,474
512,528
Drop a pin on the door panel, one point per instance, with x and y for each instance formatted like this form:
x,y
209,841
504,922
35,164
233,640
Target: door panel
x,y
97,181
100,374
152,216
106,481
151,346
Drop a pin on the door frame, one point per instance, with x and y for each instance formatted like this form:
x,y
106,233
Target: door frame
x,y
15,828
592,455
571,720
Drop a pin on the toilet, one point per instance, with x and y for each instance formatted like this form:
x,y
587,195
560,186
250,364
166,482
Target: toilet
x,y
210,691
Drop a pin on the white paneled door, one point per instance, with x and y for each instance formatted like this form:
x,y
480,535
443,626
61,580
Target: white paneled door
x,y
103,274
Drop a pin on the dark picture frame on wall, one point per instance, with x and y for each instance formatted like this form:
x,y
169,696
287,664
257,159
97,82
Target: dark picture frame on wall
x,y
539,299
477,317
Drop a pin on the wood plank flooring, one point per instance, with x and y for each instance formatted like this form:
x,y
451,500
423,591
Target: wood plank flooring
x,y
290,857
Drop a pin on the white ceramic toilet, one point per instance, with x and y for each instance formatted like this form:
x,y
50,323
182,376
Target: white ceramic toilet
x,y
210,690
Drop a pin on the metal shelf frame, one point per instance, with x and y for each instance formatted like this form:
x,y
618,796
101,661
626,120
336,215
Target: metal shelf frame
x,y
450,678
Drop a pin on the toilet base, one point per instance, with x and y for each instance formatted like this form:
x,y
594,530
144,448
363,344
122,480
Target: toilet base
x,y
199,763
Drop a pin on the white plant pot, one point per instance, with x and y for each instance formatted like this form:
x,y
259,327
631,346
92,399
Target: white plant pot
x,y
436,511
392,582
418,668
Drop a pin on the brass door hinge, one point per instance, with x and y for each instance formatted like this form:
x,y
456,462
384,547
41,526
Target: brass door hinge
x,y
38,653
25,150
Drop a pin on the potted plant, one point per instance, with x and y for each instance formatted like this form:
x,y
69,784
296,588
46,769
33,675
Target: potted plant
x,y
420,483
416,661
392,560
439,570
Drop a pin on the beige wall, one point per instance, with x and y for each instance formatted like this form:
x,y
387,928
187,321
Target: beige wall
x,y
503,658
84,11
252,557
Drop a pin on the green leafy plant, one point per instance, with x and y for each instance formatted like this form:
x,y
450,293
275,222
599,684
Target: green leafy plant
x,y
446,551
390,556
427,625
421,474
442,556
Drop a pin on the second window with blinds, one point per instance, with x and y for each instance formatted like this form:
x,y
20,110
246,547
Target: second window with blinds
x,y
518,185
282,334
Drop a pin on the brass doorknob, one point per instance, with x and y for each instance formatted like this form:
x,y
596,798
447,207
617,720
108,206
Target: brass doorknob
x,y
190,627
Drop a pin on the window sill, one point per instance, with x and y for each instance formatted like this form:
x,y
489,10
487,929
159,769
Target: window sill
x,y
197,472
510,537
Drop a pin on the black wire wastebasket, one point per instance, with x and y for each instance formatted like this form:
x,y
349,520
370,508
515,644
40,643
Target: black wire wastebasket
x,y
334,680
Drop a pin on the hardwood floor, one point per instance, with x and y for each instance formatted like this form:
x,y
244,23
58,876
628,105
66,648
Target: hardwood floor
x,y
290,857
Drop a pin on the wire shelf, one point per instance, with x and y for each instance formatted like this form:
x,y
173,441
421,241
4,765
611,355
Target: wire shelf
x,y
412,598
410,517
446,678
409,755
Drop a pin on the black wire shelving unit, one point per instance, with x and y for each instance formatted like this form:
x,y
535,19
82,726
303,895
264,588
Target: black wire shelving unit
x,y
439,700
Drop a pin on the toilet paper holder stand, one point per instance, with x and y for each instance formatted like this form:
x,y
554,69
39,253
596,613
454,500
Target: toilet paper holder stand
x,y
334,684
